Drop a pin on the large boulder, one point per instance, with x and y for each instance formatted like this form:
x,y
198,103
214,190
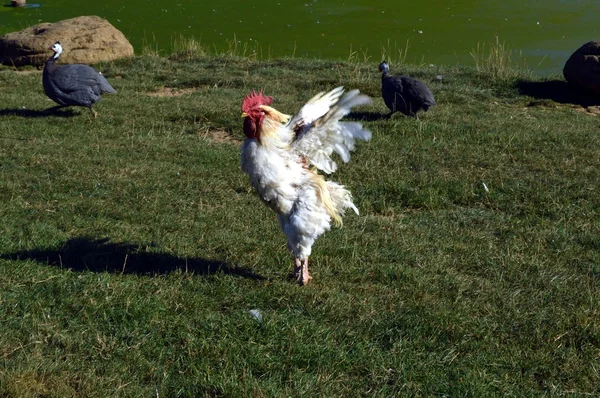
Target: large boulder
x,y
583,67
85,40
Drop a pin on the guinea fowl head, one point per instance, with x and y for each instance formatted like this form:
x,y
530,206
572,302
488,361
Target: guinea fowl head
x,y
57,48
253,112
384,68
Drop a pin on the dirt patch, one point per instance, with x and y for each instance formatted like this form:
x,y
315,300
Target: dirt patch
x,y
220,137
590,110
172,92
542,103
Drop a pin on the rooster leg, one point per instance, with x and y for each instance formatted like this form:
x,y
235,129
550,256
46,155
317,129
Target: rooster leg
x,y
94,112
303,277
297,267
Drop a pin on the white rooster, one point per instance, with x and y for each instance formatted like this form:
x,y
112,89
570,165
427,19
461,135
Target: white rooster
x,y
278,154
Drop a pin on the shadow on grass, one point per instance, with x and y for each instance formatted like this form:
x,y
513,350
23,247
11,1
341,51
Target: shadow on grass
x,y
33,113
367,116
102,255
557,91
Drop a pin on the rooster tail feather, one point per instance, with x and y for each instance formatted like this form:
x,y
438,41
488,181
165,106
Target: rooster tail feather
x,y
341,197
334,197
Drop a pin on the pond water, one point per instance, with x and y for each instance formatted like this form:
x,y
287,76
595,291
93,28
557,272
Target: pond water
x,y
545,32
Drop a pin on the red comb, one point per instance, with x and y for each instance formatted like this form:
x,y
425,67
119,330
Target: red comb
x,y
254,100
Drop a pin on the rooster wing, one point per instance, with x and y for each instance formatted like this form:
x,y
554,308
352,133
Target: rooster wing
x,y
319,132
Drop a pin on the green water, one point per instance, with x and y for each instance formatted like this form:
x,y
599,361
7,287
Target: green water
x,y
545,32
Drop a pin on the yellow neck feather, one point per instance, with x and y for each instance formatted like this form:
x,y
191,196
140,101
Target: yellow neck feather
x,y
269,129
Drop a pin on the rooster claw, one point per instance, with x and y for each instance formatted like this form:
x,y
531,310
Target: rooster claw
x,y
304,279
301,271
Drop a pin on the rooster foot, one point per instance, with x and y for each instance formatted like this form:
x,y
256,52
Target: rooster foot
x,y
301,271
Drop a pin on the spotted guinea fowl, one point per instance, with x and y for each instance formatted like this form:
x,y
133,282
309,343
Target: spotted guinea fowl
x,y
78,85
403,93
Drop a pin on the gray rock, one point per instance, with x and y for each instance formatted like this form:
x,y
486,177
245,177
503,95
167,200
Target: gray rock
x,y
582,69
91,39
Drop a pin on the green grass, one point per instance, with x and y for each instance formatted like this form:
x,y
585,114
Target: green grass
x,y
132,247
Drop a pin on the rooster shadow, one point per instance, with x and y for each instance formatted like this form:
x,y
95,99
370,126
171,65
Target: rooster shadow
x,y
102,255
558,91
57,111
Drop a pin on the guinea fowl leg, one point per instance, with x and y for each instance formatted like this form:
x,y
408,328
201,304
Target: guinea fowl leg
x,y
94,112
302,276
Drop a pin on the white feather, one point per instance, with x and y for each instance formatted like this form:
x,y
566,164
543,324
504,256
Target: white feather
x,y
315,108
302,199
326,134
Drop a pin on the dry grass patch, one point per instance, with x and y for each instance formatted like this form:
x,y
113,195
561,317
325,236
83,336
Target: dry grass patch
x,y
172,92
29,71
220,137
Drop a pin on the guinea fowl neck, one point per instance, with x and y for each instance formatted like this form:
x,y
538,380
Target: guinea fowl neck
x,y
50,64
54,57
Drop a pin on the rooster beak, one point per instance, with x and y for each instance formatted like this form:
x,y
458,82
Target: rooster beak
x,y
244,114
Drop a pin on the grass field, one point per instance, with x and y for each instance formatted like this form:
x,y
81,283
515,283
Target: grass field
x,y
132,249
